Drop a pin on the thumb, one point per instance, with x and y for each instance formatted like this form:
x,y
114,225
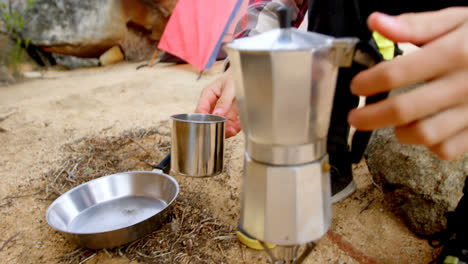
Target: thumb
x,y
224,102
418,28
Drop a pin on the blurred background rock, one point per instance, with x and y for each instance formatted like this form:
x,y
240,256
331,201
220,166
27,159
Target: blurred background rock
x,y
76,33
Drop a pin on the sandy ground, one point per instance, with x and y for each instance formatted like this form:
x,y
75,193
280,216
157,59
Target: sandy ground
x,y
41,115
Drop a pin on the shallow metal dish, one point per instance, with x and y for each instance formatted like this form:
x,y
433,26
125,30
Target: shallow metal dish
x,y
113,210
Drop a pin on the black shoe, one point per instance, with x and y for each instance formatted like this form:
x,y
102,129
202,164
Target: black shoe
x,y
453,253
455,238
342,183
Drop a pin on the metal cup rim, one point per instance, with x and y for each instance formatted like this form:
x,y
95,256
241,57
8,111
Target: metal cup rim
x,y
199,118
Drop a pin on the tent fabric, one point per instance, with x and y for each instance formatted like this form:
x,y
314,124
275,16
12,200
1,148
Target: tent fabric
x,y
196,28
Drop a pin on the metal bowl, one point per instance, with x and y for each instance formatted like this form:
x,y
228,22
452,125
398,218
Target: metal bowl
x,y
113,210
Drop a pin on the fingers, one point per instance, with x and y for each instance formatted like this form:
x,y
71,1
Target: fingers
x,y
434,129
208,98
232,126
416,104
218,98
212,93
453,147
435,59
441,55
418,28
226,99
434,115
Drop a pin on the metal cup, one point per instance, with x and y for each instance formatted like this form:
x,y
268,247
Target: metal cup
x,y
197,144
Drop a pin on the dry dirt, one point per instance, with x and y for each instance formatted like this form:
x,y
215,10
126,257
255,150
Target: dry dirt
x,y
39,117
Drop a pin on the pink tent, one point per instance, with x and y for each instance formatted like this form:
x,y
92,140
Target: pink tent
x,y
196,29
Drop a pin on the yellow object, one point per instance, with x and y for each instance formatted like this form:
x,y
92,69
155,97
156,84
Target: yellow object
x,y
251,242
326,166
111,56
451,260
386,46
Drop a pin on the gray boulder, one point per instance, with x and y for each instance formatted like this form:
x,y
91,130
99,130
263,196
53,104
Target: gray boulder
x,y
72,62
88,28
423,187
85,27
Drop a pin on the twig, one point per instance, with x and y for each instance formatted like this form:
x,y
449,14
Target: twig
x,y
20,196
54,189
366,207
74,168
63,169
105,129
224,237
9,198
73,253
143,148
181,220
130,247
8,240
88,258
70,175
142,255
142,66
200,75
147,241
206,220
243,252
107,253
166,13
164,148
198,258
163,253
180,255
376,185
4,117
175,242
234,259
149,164
200,226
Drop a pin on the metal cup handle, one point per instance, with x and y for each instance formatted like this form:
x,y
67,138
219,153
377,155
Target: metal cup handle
x,y
165,164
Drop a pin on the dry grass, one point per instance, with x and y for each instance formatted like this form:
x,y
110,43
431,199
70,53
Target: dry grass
x,y
191,233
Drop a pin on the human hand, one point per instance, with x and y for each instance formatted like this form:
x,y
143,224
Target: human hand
x,y
218,98
436,114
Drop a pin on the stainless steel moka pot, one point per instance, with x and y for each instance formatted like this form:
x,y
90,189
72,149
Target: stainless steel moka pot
x,y
285,81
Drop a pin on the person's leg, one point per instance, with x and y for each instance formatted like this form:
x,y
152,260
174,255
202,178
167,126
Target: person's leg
x,y
339,18
337,142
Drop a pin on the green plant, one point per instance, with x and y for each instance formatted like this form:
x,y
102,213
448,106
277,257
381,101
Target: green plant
x,y
13,23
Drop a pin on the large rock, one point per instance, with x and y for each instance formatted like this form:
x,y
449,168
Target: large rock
x,y
87,28
81,28
148,15
423,187
72,62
